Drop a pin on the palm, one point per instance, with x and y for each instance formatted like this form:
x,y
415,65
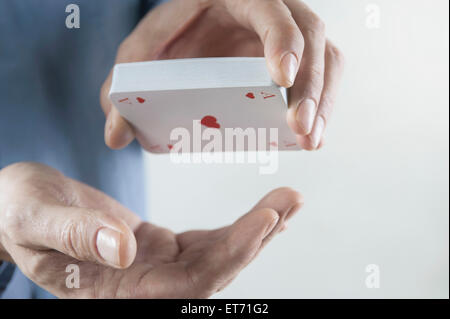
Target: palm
x,y
187,265
194,264
161,267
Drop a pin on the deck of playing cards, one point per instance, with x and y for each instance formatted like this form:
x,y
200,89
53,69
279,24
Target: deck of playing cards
x,y
232,99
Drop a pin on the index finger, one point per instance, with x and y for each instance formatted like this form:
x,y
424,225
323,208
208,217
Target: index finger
x,y
283,42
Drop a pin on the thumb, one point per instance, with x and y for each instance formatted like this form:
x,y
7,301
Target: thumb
x,y
152,36
226,258
84,234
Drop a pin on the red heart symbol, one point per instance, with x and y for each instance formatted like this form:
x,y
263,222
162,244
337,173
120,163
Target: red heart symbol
x,y
140,100
210,121
169,146
250,95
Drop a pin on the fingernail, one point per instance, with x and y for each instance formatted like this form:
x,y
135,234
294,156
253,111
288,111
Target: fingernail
x,y
108,246
306,114
289,65
316,135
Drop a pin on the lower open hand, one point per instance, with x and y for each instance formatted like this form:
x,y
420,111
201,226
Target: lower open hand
x,y
48,221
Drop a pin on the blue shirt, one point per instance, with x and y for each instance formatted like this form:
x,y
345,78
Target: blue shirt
x,y
50,77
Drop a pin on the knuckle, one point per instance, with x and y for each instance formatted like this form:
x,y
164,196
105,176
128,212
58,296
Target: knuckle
x,y
14,219
18,173
13,167
67,237
317,24
316,71
320,26
315,79
12,223
315,27
336,54
327,101
326,104
290,30
28,177
326,110
73,238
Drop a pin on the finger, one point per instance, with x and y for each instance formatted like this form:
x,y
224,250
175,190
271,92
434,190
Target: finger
x,y
306,92
225,259
118,132
190,237
280,35
244,238
286,202
160,28
333,74
306,143
280,200
159,244
92,198
151,36
86,235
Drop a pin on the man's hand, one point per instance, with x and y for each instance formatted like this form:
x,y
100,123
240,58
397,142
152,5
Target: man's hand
x,y
287,33
48,221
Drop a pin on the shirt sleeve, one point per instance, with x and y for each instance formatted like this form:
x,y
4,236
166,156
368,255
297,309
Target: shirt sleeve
x,y
6,273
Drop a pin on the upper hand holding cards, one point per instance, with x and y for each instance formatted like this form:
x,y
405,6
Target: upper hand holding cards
x,y
233,99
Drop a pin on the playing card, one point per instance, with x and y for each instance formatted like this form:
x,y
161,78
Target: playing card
x,y
231,102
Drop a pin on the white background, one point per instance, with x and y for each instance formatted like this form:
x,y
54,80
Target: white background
x,y
376,194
